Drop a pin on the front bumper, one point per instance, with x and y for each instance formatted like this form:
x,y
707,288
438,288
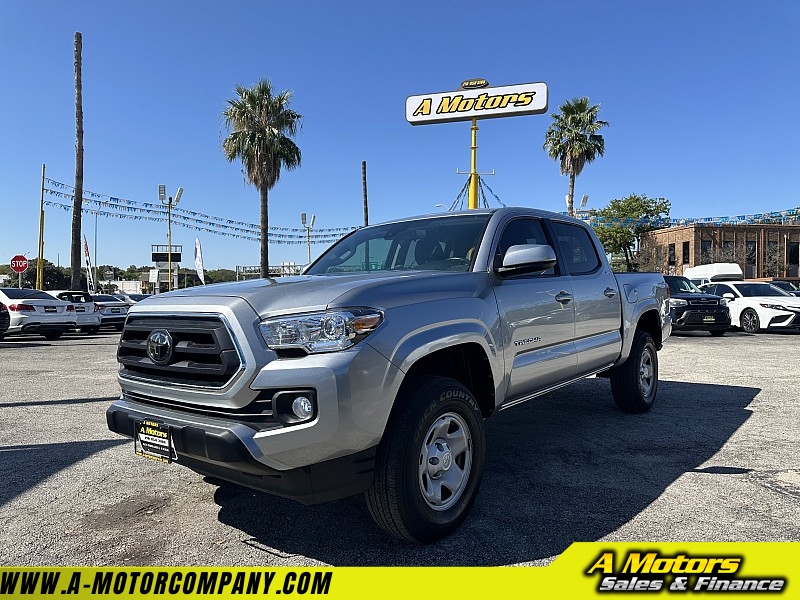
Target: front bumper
x,y
779,319
700,319
218,449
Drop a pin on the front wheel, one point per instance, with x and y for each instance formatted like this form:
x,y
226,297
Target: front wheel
x,y
749,321
635,382
52,335
430,463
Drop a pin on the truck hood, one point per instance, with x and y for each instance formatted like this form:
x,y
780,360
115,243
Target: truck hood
x,y
304,293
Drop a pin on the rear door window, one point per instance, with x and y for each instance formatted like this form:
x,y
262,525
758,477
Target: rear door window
x,y
577,249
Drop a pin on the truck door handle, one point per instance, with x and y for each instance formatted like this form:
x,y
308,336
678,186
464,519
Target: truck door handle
x,y
563,297
609,292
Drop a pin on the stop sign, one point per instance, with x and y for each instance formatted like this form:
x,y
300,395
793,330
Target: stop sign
x,y
19,263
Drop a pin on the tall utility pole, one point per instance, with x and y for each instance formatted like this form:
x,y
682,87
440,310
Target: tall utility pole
x,y
40,259
364,188
77,201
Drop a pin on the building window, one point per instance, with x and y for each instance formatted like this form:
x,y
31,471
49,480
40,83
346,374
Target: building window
x,y
728,252
750,259
685,253
793,259
671,255
705,252
773,261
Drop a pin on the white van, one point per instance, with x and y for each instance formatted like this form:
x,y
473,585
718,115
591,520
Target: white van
x,y
714,272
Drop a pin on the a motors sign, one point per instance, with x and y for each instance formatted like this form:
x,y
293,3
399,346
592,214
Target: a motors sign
x,y
480,103
19,264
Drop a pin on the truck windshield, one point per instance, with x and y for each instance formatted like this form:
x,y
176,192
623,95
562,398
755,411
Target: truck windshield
x,y
441,243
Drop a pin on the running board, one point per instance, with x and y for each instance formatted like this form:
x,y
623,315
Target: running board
x,y
511,403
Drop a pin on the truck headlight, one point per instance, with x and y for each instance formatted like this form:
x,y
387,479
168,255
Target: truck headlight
x,y
675,302
723,302
327,331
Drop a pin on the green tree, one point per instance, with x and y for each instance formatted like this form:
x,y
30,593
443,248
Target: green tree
x,y
220,275
573,140
621,224
261,124
55,278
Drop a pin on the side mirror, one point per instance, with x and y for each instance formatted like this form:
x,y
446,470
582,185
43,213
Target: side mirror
x,y
729,296
527,258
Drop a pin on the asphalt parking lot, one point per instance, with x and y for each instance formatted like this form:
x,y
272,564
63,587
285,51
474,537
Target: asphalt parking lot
x,y
715,460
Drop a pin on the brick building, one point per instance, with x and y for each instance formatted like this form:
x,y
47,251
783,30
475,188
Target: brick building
x,y
761,250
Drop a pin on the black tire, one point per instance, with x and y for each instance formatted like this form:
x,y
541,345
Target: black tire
x,y
52,335
717,332
90,330
634,383
119,327
748,321
409,459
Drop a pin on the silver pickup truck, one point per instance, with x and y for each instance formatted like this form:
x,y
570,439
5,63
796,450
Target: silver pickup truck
x,y
374,370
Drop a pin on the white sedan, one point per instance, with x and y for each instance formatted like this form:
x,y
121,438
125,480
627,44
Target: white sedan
x,y
34,311
756,305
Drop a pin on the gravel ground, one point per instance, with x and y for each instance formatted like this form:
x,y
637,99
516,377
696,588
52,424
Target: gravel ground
x,y
715,460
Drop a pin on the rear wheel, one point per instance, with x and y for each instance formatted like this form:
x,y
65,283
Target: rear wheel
x,y
749,321
52,335
119,327
635,382
90,330
430,463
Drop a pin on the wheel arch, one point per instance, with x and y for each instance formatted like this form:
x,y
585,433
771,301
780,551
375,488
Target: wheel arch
x,y
467,363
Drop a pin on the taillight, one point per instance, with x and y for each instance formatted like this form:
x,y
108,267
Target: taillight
x,y
3,307
96,308
70,308
20,307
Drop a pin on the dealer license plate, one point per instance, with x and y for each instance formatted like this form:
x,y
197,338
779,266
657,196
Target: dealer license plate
x,y
153,440
50,309
708,318
114,310
80,309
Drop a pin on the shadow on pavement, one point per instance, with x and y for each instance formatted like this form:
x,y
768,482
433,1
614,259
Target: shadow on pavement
x,y
562,468
24,467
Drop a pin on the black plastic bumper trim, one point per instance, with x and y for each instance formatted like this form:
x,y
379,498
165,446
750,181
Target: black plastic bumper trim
x,y
223,455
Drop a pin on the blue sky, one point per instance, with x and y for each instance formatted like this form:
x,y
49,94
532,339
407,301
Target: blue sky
x,y
701,98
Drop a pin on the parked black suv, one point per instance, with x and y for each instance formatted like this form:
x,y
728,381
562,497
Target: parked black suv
x,y
693,309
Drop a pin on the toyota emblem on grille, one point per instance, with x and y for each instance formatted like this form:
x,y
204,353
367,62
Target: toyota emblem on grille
x,y
159,346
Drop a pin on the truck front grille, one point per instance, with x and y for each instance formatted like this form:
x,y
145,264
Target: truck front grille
x,y
203,352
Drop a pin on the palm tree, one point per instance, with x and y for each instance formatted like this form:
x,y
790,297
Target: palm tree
x,y
261,124
572,139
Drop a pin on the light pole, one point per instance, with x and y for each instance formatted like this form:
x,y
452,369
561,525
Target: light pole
x,y
162,196
95,249
308,227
